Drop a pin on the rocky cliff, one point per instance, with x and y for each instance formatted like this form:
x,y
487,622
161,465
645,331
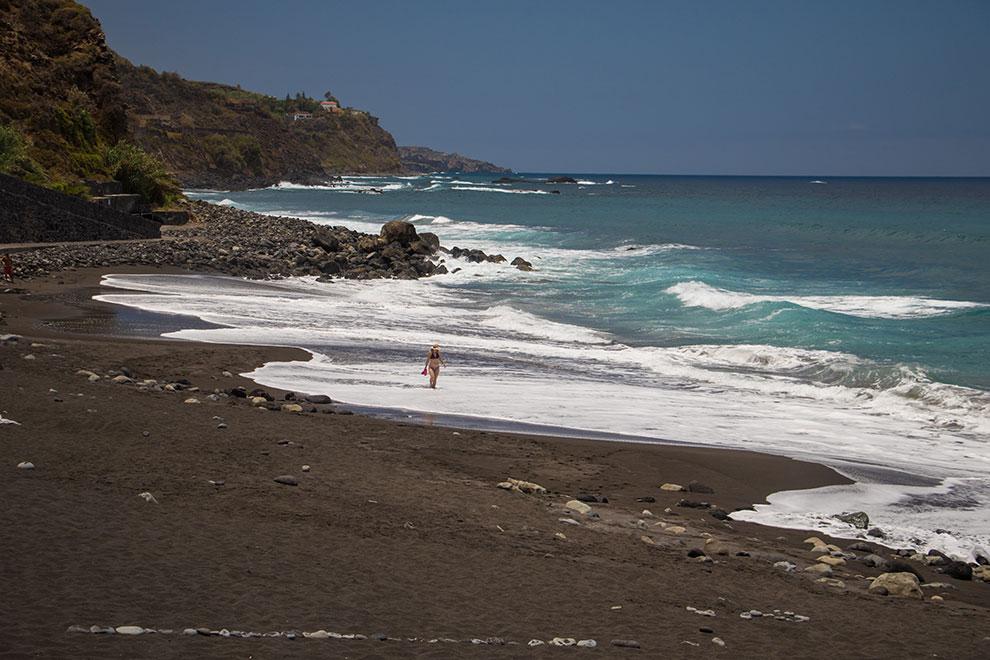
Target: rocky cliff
x,y
212,135
419,160
60,100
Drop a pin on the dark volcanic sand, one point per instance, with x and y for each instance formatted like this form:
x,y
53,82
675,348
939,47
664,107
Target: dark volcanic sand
x,y
394,530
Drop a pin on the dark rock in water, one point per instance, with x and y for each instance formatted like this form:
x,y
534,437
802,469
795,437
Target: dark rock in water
x,y
959,570
286,480
554,192
441,270
625,643
648,499
695,552
318,399
561,179
694,504
399,231
431,240
587,498
901,566
857,519
697,487
720,514
519,261
982,561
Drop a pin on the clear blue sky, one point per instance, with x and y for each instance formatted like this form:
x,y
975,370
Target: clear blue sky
x,y
828,87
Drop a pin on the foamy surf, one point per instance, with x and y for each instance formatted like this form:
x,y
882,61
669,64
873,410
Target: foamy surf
x,y
699,294
368,337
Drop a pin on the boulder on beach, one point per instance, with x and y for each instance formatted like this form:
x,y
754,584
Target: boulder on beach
x,y
857,519
520,486
901,585
399,231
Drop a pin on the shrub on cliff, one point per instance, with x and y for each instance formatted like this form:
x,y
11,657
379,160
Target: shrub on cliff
x,y
141,174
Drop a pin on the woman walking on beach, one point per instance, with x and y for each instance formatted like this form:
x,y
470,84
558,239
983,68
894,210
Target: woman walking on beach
x,y
433,362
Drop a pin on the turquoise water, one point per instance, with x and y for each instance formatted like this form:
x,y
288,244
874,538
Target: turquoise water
x,y
786,238
845,321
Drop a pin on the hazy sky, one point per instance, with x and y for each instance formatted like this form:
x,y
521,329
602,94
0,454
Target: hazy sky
x,y
693,87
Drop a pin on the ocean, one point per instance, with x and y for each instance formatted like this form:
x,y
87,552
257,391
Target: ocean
x,y
840,320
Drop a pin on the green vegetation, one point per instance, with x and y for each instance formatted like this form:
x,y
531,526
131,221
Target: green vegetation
x,y
12,149
142,174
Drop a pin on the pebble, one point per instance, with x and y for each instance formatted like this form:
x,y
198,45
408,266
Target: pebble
x,y
148,497
587,643
291,408
569,521
121,380
563,641
130,630
625,643
578,506
675,529
533,643
672,487
718,641
145,433
217,482
286,480
191,400
937,599
701,612
29,356
222,425
25,465
305,468
785,566
227,374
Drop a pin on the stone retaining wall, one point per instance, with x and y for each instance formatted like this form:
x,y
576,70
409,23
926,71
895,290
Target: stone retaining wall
x,y
32,214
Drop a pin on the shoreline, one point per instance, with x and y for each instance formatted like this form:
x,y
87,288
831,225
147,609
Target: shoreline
x,y
396,527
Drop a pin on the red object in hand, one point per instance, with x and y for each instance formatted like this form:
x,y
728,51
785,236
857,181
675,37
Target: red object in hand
x,y
424,371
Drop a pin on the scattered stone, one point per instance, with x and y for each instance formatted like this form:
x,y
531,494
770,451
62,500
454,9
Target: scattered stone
x,y
305,468
821,569
216,482
675,529
937,599
578,506
701,612
562,641
258,401
693,504
560,536
121,380
318,399
859,546
291,408
902,585
103,630
520,486
647,540
30,356
718,641
785,566
876,533
832,561
145,434
982,572
672,487
625,643
191,400
695,552
25,465
148,497
698,487
533,643
77,629
587,498
719,514
222,425
831,582
959,570
587,643
286,480
569,521
130,630
647,500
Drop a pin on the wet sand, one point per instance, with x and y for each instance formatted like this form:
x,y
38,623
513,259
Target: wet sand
x,y
396,528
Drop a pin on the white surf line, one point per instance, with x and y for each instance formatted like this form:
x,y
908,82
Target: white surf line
x,y
324,634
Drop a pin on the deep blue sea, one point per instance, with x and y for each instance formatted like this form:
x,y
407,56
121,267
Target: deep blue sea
x,y
845,320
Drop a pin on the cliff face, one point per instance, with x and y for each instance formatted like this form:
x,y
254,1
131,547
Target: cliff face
x,y
421,160
211,135
60,104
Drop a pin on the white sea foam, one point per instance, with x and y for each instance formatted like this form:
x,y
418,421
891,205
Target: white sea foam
x,y
699,294
507,363
226,202
501,190
350,185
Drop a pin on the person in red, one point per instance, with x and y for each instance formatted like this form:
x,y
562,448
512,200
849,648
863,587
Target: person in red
x,y
8,269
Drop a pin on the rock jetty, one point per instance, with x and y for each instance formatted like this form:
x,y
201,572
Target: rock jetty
x,y
244,244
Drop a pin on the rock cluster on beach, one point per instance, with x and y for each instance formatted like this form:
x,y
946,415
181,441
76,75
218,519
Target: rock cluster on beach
x,y
245,244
